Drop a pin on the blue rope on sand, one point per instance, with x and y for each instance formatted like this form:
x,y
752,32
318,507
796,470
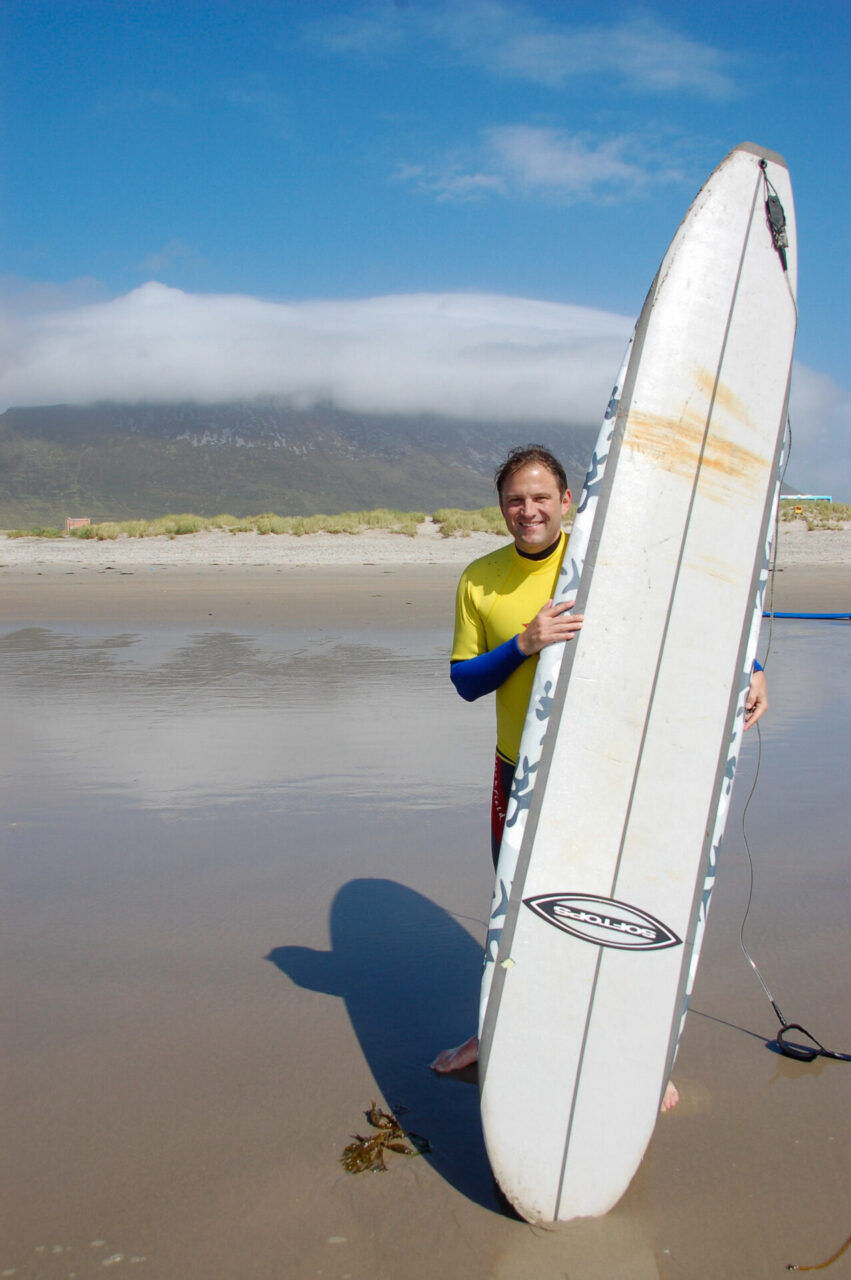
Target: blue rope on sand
x,y
767,613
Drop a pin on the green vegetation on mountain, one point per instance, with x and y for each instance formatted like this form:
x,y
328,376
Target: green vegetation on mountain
x,y
127,462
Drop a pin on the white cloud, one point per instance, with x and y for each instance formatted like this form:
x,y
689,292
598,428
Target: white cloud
x,y
641,53
480,357
820,414
451,182
473,356
520,159
550,158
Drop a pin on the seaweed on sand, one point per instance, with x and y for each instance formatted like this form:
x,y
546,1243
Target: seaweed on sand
x,y
367,1153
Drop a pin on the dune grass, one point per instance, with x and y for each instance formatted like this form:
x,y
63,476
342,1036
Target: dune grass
x,y
173,526
39,531
452,522
817,515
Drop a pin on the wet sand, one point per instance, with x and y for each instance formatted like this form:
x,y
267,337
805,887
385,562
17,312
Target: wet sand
x,y
245,874
303,595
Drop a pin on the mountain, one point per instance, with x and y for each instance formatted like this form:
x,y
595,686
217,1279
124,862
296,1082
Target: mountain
x,y
119,461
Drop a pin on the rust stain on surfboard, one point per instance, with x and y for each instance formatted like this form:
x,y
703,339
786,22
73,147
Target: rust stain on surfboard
x,y
675,442
725,399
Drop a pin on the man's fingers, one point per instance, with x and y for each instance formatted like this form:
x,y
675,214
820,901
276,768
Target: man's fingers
x,y
563,628
552,624
563,607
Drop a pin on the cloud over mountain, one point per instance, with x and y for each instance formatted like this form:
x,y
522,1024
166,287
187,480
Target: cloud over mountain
x,y
464,356
478,357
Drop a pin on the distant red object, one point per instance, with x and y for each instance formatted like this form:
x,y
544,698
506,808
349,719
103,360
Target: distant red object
x,y
76,522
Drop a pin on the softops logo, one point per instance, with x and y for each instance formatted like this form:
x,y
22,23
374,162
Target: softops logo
x,y
603,921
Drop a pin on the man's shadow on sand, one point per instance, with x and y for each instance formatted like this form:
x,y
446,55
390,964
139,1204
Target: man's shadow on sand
x,y
409,974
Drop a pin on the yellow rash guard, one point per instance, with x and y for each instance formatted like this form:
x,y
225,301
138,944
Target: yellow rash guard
x,y
498,596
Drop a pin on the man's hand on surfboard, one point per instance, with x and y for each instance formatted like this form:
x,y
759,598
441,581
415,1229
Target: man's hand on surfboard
x,y
756,704
550,626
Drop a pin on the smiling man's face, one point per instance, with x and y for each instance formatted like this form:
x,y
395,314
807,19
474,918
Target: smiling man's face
x,y
532,507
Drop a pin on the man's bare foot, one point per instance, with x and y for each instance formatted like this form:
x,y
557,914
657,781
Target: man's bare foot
x,y
463,1055
671,1098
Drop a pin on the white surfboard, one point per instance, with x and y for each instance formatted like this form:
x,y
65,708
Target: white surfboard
x,y
629,749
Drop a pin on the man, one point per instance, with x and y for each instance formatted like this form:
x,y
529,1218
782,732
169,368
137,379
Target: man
x,y
504,617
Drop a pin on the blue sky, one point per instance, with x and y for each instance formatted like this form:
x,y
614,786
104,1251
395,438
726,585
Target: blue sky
x,y
390,174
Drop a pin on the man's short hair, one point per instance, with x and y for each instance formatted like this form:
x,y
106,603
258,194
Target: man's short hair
x,y
527,454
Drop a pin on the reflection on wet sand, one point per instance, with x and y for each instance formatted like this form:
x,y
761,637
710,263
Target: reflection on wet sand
x,y
175,718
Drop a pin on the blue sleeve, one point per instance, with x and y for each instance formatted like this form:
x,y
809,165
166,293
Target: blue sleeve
x,y
474,677
757,666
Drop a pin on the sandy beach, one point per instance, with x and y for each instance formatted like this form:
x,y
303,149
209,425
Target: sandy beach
x,y
279,580
245,877
796,545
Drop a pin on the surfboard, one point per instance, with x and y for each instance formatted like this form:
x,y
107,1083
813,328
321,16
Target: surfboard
x,y
633,731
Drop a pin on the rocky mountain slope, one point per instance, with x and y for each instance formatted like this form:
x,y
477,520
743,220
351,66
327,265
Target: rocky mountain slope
x,y
114,461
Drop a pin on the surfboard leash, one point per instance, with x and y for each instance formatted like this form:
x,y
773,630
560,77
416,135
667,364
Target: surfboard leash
x,y
802,1053
772,565
789,1048
819,1266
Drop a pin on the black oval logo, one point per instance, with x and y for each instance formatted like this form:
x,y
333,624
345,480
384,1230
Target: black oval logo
x,y
603,921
